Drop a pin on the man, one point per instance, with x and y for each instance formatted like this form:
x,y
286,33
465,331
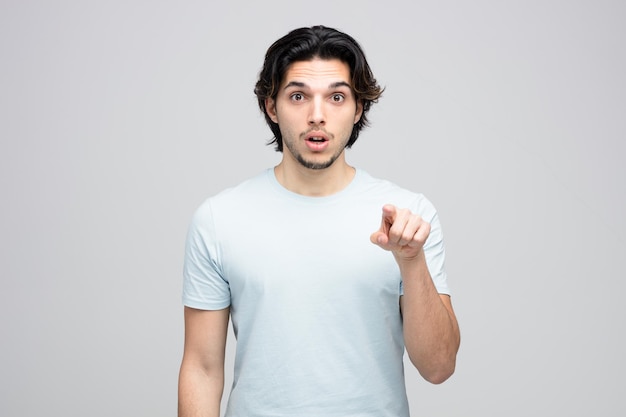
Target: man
x,y
322,308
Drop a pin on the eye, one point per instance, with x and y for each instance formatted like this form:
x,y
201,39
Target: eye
x,y
297,97
337,98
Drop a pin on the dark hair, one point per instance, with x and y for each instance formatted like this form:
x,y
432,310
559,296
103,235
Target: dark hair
x,y
316,42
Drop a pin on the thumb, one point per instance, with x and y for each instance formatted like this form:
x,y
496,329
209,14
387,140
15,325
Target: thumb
x,y
379,238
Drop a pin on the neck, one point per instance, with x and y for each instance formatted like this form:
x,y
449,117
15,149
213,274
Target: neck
x,y
314,182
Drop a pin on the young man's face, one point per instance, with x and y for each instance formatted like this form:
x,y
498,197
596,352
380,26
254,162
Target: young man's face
x,y
315,110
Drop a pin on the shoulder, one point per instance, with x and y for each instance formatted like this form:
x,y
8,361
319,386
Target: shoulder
x,y
246,190
232,200
395,194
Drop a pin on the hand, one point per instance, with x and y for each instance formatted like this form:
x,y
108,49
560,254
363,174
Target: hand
x,y
401,232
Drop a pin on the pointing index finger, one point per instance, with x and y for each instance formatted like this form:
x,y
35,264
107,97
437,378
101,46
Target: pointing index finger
x,y
389,212
388,217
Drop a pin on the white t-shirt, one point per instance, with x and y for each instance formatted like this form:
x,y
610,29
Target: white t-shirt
x,y
314,304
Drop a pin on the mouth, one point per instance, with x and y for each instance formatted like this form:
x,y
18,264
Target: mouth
x,y
317,141
316,136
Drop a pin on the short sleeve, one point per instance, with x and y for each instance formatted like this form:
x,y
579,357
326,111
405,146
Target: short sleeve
x,y
204,286
433,248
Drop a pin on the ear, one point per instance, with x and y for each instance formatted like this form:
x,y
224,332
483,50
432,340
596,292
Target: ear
x,y
270,108
359,111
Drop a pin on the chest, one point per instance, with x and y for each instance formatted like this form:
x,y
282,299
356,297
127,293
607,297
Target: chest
x,y
320,253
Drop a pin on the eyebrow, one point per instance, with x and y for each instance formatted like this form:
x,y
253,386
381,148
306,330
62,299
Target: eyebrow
x,y
330,87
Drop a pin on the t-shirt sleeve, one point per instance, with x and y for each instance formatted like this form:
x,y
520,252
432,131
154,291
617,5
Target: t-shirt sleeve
x,y
204,286
434,247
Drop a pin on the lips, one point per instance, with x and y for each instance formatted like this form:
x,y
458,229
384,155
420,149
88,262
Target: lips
x,y
316,136
316,140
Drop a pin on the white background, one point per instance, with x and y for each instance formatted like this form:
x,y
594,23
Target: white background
x,y
118,118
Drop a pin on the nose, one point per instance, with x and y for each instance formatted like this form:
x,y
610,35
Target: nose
x,y
316,112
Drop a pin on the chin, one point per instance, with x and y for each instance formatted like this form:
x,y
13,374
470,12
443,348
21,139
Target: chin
x,y
316,165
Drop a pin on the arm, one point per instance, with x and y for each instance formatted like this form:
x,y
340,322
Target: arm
x,y
201,380
431,332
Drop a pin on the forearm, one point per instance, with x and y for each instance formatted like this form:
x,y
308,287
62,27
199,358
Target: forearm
x,y
199,391
431,332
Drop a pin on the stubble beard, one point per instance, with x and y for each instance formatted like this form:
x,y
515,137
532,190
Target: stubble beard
x,y
315,165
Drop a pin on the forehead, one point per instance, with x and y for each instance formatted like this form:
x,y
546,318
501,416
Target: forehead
x,y
318,70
